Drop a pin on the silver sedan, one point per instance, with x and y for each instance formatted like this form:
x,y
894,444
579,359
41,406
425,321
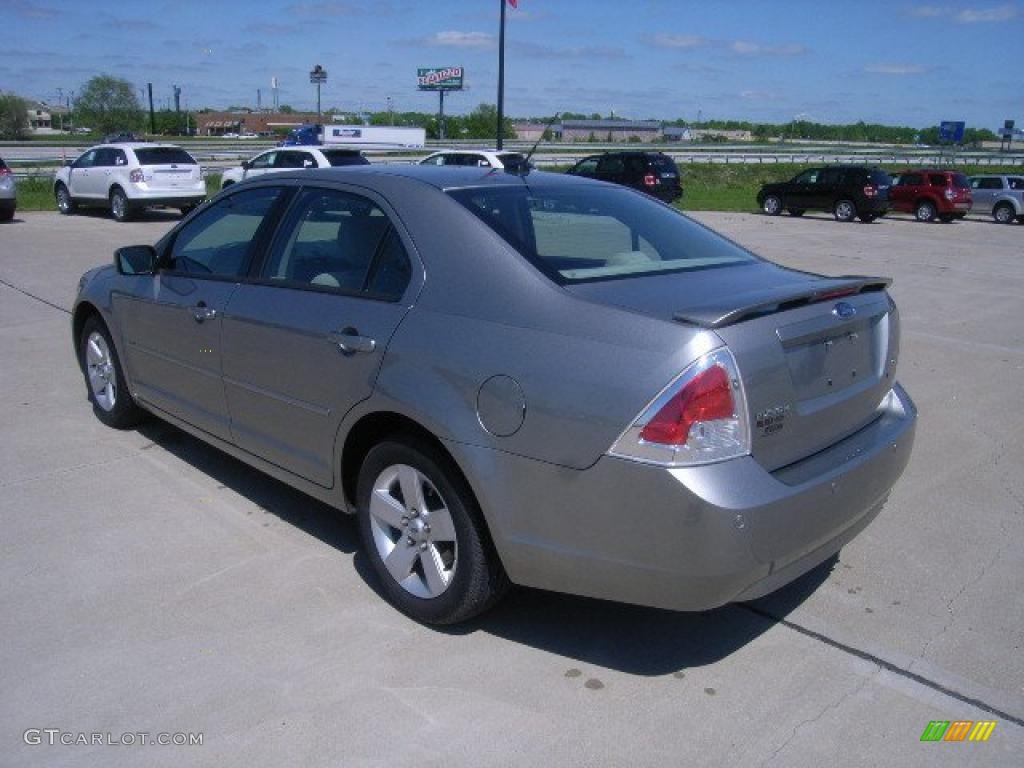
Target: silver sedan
x,y
513,378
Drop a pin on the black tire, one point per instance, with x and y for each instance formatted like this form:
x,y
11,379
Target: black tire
x,y
478,579
120,208
867,218
7,214
124,412
1004,213
65,203
796,212
844,210
925,210
947,218
772,205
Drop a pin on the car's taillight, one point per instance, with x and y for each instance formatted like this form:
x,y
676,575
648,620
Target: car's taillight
x,y
650,180
135,176
700,418
870,190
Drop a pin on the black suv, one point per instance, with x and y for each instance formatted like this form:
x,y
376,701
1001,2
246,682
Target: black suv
x,y
650,172
846,191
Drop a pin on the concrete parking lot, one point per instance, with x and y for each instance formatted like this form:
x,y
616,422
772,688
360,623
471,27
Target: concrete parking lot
x,y
152,584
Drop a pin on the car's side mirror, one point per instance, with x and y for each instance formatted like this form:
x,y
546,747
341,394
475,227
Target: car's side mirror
x,y
135,260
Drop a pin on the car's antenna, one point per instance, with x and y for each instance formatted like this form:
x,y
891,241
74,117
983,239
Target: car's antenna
x,y
524,165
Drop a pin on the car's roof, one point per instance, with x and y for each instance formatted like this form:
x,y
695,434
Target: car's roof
x,y
441,177
476,152
133,145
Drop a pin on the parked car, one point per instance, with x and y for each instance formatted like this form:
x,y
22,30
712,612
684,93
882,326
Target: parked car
x,y
121,137
8,192
929,194
1002,196
847,192
652,172
274,160
127,178
539,379
478,158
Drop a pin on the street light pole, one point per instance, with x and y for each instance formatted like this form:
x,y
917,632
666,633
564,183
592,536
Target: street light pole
x,y
501,75
318,76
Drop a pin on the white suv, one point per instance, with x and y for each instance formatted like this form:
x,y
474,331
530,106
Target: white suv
x,y
291,159
480,158
129,177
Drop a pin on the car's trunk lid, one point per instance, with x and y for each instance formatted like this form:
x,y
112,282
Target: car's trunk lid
x,y
816,355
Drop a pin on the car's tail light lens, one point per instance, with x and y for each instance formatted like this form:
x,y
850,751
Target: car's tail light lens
x,y
650,179
5,171
136,176
700,418
870,190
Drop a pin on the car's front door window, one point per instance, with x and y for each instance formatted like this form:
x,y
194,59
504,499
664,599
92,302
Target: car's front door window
x,y
264,161
87,160
218,242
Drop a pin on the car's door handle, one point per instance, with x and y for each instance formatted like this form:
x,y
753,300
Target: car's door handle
x,y
201,312
349,342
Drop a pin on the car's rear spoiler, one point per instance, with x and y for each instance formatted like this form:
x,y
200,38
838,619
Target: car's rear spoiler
x,y
778,299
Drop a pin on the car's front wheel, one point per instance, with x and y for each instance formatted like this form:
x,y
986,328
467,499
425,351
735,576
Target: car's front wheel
x,y
772,205
844,210
119,207
104,377
424,534
65,204
1004,213
925,211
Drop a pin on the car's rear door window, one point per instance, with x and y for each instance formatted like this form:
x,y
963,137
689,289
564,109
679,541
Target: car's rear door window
x,y
219,241
937,179
1015,182
960,181
163,156
331,240
344,157
594,234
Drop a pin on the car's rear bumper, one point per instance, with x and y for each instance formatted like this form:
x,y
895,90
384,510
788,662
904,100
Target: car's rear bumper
x,y
686,539
141,195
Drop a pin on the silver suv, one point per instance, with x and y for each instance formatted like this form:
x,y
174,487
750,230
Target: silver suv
x,y
8,192
1002,196
129,177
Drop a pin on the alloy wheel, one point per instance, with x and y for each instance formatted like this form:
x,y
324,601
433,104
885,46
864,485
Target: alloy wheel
x,y
413,531
100,369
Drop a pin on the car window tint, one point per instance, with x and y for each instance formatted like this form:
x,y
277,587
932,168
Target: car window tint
x,y
87,160
610,164
960,181
164,156
808,177
289,160
392,271
990,182
438,160
104,158
831,176
218,241
636,164
586,167
264,161
911,180
331,240
937,179
120,158
592,234
1016,182
346,157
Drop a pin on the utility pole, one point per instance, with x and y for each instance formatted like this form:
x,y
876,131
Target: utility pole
x,y
501,76
152,114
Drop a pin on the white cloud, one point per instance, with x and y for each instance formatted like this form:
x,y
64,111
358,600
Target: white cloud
x,y
975,15
681,41
454,39
739,47
895,69
929,11
747,48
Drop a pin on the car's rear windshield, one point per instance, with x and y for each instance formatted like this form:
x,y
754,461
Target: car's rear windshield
x,y
960,181
879,178
1015,182
662,162
164,156
586,234
344,157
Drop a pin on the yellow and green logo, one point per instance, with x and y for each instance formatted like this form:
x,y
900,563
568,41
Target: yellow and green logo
x,y
958,730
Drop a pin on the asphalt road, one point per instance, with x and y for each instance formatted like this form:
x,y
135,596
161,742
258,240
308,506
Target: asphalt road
x,y
152,584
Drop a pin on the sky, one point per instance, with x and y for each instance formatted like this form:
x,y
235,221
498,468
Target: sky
x,y
894,62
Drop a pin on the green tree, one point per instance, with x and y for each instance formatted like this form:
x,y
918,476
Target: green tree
x,y
482,123
108,104
13,116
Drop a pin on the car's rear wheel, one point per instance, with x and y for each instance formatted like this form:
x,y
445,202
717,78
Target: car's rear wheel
x,y
844,210
119,207
772,205
65,204
424,535
1004,213
925,211
104,377
796,211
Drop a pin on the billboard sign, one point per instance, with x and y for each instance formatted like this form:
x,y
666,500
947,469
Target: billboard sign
x,y
439,78
951,132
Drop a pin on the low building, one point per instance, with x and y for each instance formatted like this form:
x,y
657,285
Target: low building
x,y
608,130
45,118
219,123
529,131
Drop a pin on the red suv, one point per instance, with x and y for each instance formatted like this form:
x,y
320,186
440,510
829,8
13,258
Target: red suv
x,y
931,194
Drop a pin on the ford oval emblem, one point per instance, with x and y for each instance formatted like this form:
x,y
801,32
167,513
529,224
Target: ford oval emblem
x,y
844,310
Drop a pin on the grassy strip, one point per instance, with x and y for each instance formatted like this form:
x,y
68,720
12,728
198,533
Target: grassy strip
x,y
709,186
